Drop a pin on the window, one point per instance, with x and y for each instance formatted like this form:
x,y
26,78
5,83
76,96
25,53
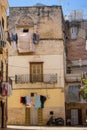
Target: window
x,y
68,70
36,72
25,30
73,32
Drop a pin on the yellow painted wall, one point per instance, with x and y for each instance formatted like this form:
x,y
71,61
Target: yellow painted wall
x,y
51,94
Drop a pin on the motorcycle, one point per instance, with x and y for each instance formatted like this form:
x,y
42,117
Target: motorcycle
x,y
55,121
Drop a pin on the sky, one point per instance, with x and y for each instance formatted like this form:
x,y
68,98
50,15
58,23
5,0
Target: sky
x,y
67,5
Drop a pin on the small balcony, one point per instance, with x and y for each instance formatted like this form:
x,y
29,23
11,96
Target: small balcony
x,y
73,78
2,38
26,78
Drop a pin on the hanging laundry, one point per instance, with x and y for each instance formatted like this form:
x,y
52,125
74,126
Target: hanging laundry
x,y
29,101
23,100
14,39
35,38
20,99
37,102
33,101
14,46
10,81
4,88
25,42
9,91
43,99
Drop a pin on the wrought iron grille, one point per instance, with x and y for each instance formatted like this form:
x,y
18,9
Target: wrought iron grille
x,y
26,78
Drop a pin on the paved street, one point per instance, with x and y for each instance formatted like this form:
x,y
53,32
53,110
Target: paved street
x,y
42,128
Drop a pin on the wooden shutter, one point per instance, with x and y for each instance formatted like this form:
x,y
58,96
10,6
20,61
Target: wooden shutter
x,y
40,116
36,72
27,116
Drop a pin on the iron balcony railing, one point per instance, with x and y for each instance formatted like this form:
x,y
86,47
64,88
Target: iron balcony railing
x,y
2,37
73,78
26,78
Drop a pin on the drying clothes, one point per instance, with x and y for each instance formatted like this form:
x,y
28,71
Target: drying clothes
x,y
28,101
23,100
43,99
9,91
25,42
4,88
37,102
14,45
33,101
14,37
20,99
10,81
35,38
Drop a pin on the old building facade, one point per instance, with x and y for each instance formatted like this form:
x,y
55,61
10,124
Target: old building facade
x,y
36,64
76,105
3,62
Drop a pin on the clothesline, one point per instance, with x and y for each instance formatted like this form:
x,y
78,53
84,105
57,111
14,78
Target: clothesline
x,y
35,101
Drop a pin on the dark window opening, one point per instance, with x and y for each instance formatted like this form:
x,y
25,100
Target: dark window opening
x,y
25,30
68,70
32,94
51,113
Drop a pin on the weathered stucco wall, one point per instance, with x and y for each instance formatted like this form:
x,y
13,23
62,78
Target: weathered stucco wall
x,y
47,22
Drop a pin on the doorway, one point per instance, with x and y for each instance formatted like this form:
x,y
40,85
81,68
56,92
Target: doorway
x,y
33,116
76,117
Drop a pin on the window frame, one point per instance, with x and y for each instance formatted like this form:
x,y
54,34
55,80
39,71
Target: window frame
x,y
31,74
73,32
